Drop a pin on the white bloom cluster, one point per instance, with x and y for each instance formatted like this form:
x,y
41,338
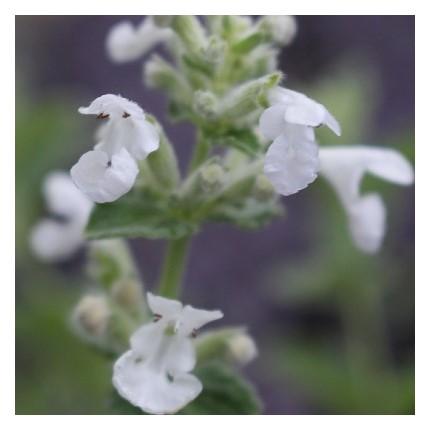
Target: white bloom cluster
x,y
110,169
154,374
294,160
60,235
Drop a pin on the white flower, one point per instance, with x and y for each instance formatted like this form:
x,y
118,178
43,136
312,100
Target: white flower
x,y
110,170
291,162
344,168
154,374
57,237
103,178
290,107
126,127
127,43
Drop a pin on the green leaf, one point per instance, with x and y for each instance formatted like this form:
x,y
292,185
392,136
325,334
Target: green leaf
x,y
243,140
224,393
139,215
194,62
250,214
341,385
247,44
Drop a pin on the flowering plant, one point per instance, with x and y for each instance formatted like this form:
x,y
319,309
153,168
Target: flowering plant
x,y
256,141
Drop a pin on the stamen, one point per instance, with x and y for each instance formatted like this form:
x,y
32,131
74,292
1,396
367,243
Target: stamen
x,y
109,164
194,333
125,115
102,116
157,317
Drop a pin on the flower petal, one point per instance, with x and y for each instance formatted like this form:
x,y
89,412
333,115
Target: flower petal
x,y
308,113
272,122
166,308
331,122
146,339
192,319
112,105
54,241
302,110
291,162
127,43
345,167
367,223
64,198
103,179
389,164
152,390
181,355
141,138
126,127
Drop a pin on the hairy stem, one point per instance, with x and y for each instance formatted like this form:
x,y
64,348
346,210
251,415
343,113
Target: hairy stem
x,y
174,266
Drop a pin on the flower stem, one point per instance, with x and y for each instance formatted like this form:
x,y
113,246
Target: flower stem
x,y
174,265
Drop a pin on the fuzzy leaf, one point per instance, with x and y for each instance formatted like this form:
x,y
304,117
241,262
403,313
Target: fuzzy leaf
x,y
224,392
139,215
243,140
250,214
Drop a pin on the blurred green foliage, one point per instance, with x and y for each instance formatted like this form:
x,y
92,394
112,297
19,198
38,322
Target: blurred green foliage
x,y
55,372
47,137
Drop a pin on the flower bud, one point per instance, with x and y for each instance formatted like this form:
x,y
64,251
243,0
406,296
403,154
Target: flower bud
x,y
205,178
242,348
205,104
232,344
109,261
91,315
263,188
159,74
215,51
248,97
280,28
241,181
212,177
128,294
215,23
163,163
248,43
190,32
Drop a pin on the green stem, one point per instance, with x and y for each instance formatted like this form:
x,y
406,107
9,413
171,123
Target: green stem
x,y
174,265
